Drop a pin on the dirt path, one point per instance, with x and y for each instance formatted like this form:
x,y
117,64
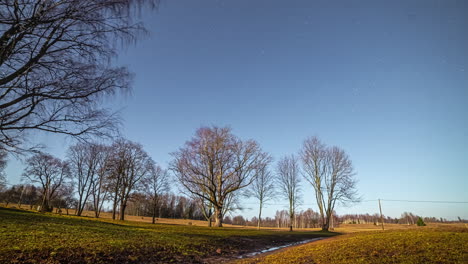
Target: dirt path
x,y
260,252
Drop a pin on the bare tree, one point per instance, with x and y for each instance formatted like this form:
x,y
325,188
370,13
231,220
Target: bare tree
x,y
206,208
216,164
3,163
288,181
55,65
156,183
263,189
84,159
130,164
50,172
100,184
330,172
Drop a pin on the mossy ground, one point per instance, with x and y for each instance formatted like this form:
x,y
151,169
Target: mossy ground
x,y
31,237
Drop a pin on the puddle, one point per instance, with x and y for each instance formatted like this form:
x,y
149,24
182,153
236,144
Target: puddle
x,y
252,254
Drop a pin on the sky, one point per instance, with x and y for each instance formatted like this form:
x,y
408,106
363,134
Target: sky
x,y
387,81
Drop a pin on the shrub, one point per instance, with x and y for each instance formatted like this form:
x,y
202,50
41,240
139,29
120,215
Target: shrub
x,y
420,222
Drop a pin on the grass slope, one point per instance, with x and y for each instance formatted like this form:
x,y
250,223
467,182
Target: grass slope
x,y
29,237
417,245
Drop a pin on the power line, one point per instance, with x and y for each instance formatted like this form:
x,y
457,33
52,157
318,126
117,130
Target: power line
x,y
419,201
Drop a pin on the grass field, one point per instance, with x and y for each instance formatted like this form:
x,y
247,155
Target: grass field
x,y
30,237
436,244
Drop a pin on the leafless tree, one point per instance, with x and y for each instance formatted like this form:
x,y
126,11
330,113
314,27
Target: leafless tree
x,y
216,164
50,172
330,172
55,65
206,208
156,183
262,189
84,159
3,163
289,184
100,185
130,164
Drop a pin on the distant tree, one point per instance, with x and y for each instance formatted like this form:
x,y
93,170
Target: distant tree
x,y
238,220
215,164
31,196
156,183
3,163
130,165
84,159
11,195
100,185
330,172
50,172
262,189
227,220
206,208
288,178
56,65
420,222
64,197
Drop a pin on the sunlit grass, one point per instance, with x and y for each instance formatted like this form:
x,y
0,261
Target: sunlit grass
x,y
439,244
28,237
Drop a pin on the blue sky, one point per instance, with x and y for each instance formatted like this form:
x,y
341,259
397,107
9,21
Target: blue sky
x,y
385,80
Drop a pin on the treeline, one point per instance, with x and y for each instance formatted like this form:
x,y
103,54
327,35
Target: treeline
x,y
169,205
303,219
312,219
93,175
405,218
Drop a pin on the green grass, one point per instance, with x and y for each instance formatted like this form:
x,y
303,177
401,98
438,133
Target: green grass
x,y
30,237
417,245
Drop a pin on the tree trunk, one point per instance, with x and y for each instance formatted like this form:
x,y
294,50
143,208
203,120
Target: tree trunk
x,y
79,209
219,217
260,217
326,224
114,207
122,210
154,214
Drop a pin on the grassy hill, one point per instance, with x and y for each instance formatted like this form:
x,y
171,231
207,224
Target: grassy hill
x,y
31,237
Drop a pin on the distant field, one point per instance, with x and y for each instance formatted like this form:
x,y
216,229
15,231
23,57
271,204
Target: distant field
x,y
344,228
436,244
30,237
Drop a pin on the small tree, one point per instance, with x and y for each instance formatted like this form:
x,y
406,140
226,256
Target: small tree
x,y
262,189
289,184
50,172
155,184
420,222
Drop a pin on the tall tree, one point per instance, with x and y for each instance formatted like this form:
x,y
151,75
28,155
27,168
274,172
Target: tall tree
x,y
262,189
100,184
216,164
330,172
55,65
289,183
3,163
84,159
50,172
130,164
156,183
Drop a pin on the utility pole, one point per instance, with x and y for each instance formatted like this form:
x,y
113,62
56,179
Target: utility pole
x,y
381,216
